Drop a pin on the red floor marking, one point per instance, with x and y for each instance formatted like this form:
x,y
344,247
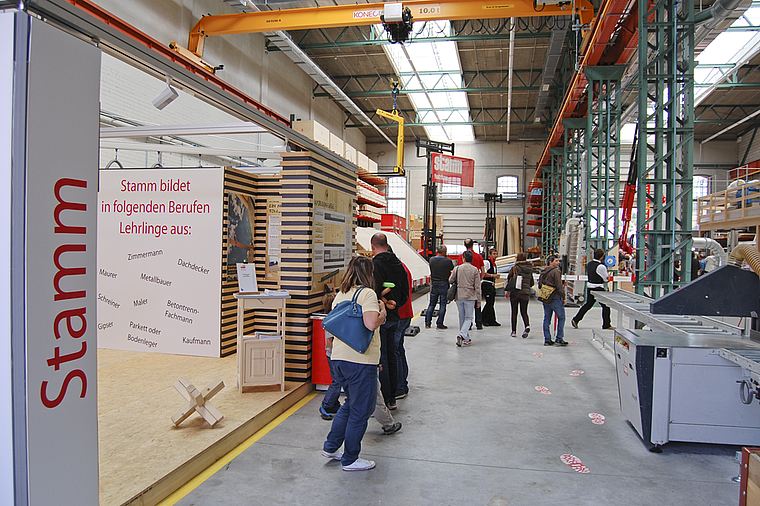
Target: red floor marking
x,y
538,354
574,343
576,372
596,418
543,390
575,463
570,459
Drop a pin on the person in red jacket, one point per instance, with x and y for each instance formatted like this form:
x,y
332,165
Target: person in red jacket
x,y
406,313
477,262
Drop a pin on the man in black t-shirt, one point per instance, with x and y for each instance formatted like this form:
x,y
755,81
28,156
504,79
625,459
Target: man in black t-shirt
x,y
440,270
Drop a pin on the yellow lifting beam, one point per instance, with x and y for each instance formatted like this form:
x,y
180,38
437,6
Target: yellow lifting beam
x,y
393,115
369,14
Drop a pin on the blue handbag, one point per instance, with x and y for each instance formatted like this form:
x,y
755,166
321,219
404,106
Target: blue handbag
x,y
346,323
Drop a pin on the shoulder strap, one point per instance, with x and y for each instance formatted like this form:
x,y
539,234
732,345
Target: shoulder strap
x,y
356,295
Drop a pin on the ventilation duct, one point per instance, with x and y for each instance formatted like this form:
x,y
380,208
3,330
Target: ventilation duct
x,y
553,56
285,44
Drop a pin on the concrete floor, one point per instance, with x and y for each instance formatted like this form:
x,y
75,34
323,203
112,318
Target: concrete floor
x,y
477,432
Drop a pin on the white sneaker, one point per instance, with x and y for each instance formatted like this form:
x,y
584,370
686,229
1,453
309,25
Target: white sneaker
x,y
336,455
360,465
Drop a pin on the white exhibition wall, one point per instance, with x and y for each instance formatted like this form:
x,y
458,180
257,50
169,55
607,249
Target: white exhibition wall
x,y
159,260
60,126
7,34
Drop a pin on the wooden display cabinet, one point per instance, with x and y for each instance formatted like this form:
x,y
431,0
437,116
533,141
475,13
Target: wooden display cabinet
x,y
260,362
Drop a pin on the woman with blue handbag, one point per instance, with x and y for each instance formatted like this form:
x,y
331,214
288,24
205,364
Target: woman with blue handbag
x,y
356,372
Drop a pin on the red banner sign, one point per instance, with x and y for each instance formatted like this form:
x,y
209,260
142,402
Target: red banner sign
x,y
449,169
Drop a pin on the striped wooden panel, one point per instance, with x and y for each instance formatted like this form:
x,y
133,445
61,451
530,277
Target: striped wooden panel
x,y
260,188
300,172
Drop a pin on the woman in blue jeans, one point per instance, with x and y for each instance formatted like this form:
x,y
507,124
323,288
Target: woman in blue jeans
x,y
355,372
551,276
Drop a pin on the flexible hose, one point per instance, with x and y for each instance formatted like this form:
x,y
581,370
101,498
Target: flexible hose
x,y
746,252
713,247
571,222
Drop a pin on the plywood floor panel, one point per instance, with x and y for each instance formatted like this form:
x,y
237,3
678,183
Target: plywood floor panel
x,y
138,443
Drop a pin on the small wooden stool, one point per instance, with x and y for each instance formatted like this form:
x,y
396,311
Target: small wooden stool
x,y
198,401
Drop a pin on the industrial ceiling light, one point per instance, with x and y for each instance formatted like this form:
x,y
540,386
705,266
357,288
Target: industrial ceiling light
x,y
167,96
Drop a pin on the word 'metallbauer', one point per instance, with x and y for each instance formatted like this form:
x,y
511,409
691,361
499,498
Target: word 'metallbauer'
x,y
155,279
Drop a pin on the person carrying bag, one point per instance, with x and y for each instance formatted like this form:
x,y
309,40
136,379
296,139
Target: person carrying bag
x,y
451,295
356,372
552,294
346,322
518,290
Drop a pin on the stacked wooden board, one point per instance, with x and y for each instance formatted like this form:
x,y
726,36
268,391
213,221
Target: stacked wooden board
x,y
371,194
508,236
371,201
514,235
322,135
310,185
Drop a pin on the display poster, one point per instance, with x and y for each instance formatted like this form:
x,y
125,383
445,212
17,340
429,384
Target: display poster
x,y
246,274
455,170
159,260
333,234
241,217
274,214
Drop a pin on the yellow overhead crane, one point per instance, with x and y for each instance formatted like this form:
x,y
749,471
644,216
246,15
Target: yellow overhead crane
x,y
369,14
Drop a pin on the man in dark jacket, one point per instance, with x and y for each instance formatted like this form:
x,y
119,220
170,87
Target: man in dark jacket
x,y
440,270
389,269
551,276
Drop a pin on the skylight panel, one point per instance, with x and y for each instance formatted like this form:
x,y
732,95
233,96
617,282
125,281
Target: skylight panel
x,y
725,54
439,68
